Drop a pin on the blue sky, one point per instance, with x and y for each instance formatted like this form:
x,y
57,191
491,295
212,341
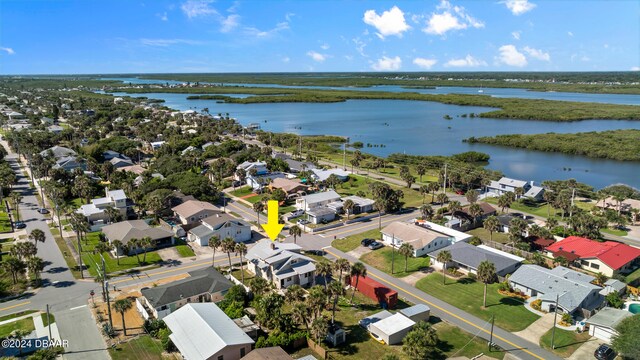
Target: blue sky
x,y
118,36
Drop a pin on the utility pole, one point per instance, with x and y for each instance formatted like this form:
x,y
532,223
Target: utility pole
x,y
555,317
344,156
491,334
573,196
393,253
444,185
49,322
105,283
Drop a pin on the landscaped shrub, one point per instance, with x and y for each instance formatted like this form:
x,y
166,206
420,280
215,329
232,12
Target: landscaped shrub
x,y
566,319
536,304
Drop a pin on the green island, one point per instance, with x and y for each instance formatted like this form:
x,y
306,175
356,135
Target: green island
x,y
507,108
618,82
621,145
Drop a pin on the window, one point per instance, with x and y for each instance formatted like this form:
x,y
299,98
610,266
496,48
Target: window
x,y
193,219
584,262
221,357
595,266
164,307
242,352
188,300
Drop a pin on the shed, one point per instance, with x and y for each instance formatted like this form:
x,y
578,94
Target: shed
x,y
392,329
602,325
366,322
419,312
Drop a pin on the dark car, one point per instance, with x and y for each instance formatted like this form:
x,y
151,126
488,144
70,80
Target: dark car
x,y
19,225
375,245
366,242
604,352
43,211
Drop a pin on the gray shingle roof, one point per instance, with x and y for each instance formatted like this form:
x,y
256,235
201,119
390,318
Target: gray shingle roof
x,y
609,317
207,280
471,256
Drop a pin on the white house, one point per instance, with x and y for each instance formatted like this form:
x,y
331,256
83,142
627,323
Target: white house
x,y
57,152
506,184
205,332
222,225
316,200
260,166
425,237
322,175
281,264
603,324
96,210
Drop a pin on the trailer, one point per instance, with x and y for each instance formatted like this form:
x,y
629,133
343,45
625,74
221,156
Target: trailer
x,y
372,289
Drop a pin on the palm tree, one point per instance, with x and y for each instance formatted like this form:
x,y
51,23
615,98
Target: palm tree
x,y
504,202
122,306
112,213
426,211
336,290
442,198
214,243
551,223
241,249
258,208
549,196
37,235
454,207
619,198
519,192
35,266
433,187
134,244
295,231
319,328
16,198
406,250
117,244
20,334
341,265
259,286
560,261
491,224
358,269
295,293
475,210
444,257
14,266
146,243
601,278
538,259
424,190
300,313
472,196
348,206
228,245
323,268
486,274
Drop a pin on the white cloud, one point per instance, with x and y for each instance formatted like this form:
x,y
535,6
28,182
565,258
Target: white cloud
x,y
570,33
163,16
360,45
537,54
8,50
425,63
516,35
195,8
229,23
509,55
387,64
519,7
267,33
285,59
324,46
316,56
390,22
635,68
451,18
348,57
468,61
606,46
168,42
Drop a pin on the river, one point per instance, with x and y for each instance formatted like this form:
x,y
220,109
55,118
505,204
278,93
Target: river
x,y
417,127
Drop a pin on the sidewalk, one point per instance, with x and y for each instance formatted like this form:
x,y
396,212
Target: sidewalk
x,y
43,331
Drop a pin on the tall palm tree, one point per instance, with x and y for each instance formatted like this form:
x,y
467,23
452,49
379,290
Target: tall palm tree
x,y
491,224
426,211
295,293
112,213
335,290
214,243
519,192
348,206
504,202
424,190
342,265
37,236
319,328
117,245
258,208
20,334
146,243
475,210
486,274
551,223
300,313
35,266
442,198
295,231
122,306
228,246
358,270
444,257
406,250
16,198
14,266
433,187
323,268
241,249
134,244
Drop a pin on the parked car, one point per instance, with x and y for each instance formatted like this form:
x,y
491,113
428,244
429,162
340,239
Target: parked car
x,y
366,242
375,245
303,221
604,352
19,225
43,211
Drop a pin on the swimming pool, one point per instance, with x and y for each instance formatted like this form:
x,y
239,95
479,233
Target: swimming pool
x,y
634,308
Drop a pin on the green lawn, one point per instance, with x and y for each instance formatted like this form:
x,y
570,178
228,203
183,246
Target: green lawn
x,y
617,232
184,251
24,324
357,183
143,347
484,235
5,222
16,315
352,242
540,209
467,294
45,321
71,260
243,191
632,279
238,275
566,342
381,260
92,260
454,341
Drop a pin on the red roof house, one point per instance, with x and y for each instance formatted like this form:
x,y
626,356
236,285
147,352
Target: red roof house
x,y
608,257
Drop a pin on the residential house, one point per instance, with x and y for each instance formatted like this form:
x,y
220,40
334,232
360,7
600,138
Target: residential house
x,y
425,237
95,212
136,169
505,222
155,145
317,200
46,120
573,291
56,129
222,225
603,324
467,257
613,285
189,149
624,206
281,264
137,229
57,152
361,205
258,182
290,187
70,163
506,184
206,285
323,175
205,332
110,154
260,166
463,221
268,353
119,162
608,257
191,212
535,192
321,215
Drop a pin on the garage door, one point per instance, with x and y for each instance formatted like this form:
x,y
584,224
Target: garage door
x,y
603,333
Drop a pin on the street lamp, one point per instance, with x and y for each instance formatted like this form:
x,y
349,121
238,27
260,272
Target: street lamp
x,y
555,317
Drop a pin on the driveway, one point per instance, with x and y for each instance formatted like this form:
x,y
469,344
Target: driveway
x,y
538,328
359,251
586,350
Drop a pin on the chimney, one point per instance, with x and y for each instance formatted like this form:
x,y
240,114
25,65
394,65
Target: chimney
x,y
273,246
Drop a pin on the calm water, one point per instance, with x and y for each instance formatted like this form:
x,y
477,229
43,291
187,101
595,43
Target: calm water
x,y
416,127
496,92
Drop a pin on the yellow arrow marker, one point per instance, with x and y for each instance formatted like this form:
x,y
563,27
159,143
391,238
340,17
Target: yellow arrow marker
x,y
272,227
